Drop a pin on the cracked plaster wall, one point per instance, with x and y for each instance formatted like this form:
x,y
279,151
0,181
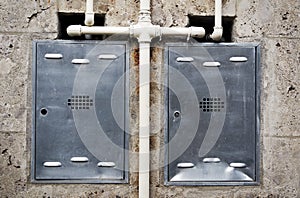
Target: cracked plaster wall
x,y
273,23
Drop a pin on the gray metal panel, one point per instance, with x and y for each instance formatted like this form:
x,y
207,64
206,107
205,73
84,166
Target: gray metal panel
x,y
80,112
212,112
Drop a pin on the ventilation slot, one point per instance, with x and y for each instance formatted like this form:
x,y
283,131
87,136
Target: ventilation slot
x,y
185,165
211,160
80,102
52,164
106,164
185,59
211,104
53,56
79,159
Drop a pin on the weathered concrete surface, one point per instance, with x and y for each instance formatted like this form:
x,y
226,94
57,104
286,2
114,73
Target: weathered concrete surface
x,y
28,16
13,75
281,170
175,13
281,166
13,164
260,18
274,24
281,87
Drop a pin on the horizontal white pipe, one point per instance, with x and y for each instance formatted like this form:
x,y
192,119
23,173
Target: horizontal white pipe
x,y
78,30
191,31
218,29
144,120
89,13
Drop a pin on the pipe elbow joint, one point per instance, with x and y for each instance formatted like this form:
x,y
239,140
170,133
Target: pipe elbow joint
x,y
74,30
217,34
89,19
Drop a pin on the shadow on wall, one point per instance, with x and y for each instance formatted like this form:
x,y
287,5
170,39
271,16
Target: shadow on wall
x,y
67,19
207,22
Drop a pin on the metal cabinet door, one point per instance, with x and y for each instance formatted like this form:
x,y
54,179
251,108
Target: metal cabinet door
x,y
212,114
80,109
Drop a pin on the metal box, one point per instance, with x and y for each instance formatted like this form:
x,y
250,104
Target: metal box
x,y
80,112
212,114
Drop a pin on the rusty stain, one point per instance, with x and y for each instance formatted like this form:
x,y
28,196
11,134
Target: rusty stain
x,y
134,93
135,144
135,61
154,86
135,56
154,143
134,179
154,90
134,99
155,52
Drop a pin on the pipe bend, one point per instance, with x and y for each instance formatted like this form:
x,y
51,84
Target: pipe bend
x,y
217,34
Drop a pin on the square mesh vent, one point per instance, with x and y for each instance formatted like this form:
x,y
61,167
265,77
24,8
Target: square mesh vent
x,y
80,102
211,104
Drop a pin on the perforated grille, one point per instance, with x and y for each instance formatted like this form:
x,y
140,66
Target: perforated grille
x,y
211,104
80,102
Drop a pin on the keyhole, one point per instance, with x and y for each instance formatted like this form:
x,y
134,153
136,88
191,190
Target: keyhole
x,y
44,111
176,114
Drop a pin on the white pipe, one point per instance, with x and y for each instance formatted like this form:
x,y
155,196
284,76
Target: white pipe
x,y
78,30
144,120
136,31
218,29
218,13
145,5
144,31
89,13
191,31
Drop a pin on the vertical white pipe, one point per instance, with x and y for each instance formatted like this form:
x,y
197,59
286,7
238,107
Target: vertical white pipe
x,y
89,6
145,5
218,29
218,13
144,120
89,13
144,99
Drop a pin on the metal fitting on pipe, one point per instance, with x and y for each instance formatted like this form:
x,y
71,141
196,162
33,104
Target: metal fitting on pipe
x,y
145,32
145,17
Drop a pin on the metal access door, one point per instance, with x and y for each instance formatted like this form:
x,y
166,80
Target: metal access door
x,y
80,110
212,114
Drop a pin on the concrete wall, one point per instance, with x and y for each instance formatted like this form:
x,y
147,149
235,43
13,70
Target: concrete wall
x,y
274,24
